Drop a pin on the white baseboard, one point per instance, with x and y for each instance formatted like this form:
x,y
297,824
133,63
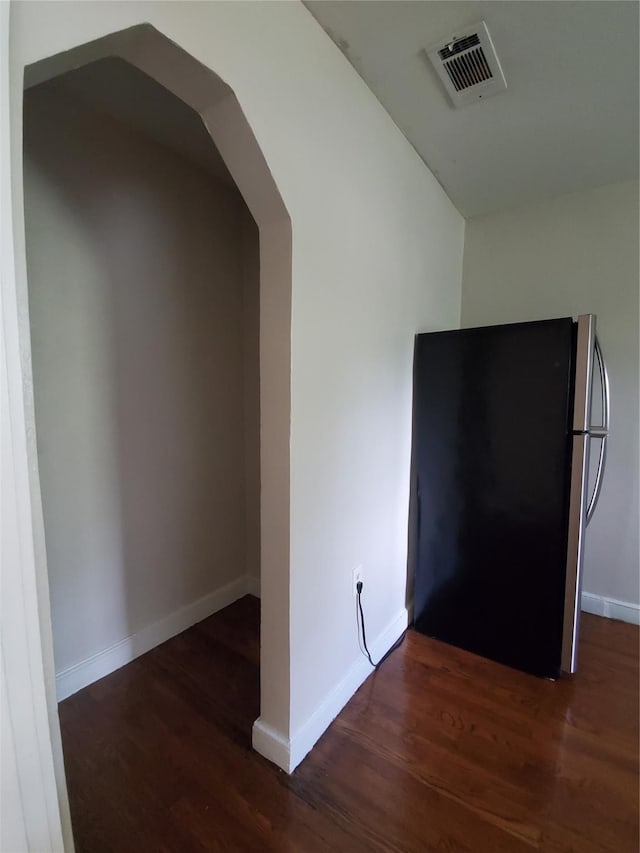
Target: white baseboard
x,y
272,744
611,608
287,754
85,672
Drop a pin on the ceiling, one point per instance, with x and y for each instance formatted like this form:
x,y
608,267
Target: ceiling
x,y
120,90
567,122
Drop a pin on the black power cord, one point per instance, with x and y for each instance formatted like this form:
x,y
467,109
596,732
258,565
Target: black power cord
x,y
360,621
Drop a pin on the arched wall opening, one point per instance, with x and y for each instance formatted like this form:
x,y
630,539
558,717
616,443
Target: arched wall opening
x,y
197,86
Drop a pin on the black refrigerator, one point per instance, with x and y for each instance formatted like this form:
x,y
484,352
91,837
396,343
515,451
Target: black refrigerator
x,y
501,432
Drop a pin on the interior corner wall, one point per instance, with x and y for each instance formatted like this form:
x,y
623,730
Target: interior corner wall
x,y
573,255
136,276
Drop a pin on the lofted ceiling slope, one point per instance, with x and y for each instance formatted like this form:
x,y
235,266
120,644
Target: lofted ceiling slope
x,y
567,122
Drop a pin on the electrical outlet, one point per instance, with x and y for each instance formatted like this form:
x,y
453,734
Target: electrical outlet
x,y
358,577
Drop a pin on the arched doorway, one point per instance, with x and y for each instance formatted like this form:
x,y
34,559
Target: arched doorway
x,y
163,61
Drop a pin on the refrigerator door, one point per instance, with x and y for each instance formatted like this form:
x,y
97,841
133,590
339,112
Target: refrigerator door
x,y
492,451
585,343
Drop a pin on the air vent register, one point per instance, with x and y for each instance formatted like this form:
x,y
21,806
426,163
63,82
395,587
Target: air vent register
x,y
468,65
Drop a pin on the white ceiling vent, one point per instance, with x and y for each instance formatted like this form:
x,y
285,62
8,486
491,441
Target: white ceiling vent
x,y
468,65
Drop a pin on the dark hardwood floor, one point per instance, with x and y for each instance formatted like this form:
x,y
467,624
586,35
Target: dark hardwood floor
x,y
439,750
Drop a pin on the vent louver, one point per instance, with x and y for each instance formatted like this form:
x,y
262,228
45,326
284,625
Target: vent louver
x,y
468,66
458,46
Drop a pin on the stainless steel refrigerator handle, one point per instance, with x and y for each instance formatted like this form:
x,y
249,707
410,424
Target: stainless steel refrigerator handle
x,y
600,432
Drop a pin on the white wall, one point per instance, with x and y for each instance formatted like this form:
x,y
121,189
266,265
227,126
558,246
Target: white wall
x,y
136,292
377,255
573,255
34,808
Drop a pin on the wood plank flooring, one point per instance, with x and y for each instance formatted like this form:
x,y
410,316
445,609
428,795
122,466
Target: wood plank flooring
x,y
439,750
